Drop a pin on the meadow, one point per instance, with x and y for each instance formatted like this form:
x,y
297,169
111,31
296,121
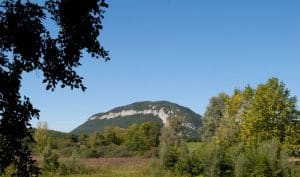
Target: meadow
x,y
120,167
108,167
125,167
131,166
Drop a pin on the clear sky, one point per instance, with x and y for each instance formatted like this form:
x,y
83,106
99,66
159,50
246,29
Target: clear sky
x,y
180,51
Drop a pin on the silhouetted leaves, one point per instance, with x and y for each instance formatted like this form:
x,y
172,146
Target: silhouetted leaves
x,y
27,45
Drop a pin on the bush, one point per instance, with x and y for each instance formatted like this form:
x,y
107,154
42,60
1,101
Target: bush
x,y
171,144
267,159
169,156
91,153
67,151
50,159
188,164
113,150
176,157
74,166
153,153
211,156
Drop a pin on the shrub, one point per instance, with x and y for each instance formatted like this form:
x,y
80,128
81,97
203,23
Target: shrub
x,y
91,153
67,151
211,156
177,158
50,159
168,155
188,164
113,150
171,144
153,153
74,166
267,159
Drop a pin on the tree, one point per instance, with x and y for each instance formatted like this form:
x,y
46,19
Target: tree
x,y
272,114
228,129
41,137
83,139
43,144
150,132
172,145
95,140
253,132
133,138
27,45
112,136
213,114
50,159
143,137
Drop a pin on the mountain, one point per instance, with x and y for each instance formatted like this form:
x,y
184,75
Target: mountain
x,y
139,112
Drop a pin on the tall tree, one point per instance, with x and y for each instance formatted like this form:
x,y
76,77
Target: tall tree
x,y
227,133
172,144
272,114
41,137
213,114
27,45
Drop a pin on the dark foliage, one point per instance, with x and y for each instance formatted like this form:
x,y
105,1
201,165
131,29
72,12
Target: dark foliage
x,y
27,45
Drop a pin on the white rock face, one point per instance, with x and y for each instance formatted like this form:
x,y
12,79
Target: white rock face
x,y
160,113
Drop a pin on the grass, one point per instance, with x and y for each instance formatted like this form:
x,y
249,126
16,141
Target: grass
x,y
122,167
119,167
130,167
110,167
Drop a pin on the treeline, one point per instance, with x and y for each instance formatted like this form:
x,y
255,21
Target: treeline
x,y
115,141
138,139
251,133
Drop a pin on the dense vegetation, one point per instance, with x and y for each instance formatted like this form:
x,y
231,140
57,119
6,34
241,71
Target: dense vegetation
x,y
138,139
252,133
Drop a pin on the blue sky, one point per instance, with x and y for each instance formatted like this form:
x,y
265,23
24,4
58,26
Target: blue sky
x,y
180,51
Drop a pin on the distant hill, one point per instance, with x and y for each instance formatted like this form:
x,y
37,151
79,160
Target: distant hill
x,y
139,112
